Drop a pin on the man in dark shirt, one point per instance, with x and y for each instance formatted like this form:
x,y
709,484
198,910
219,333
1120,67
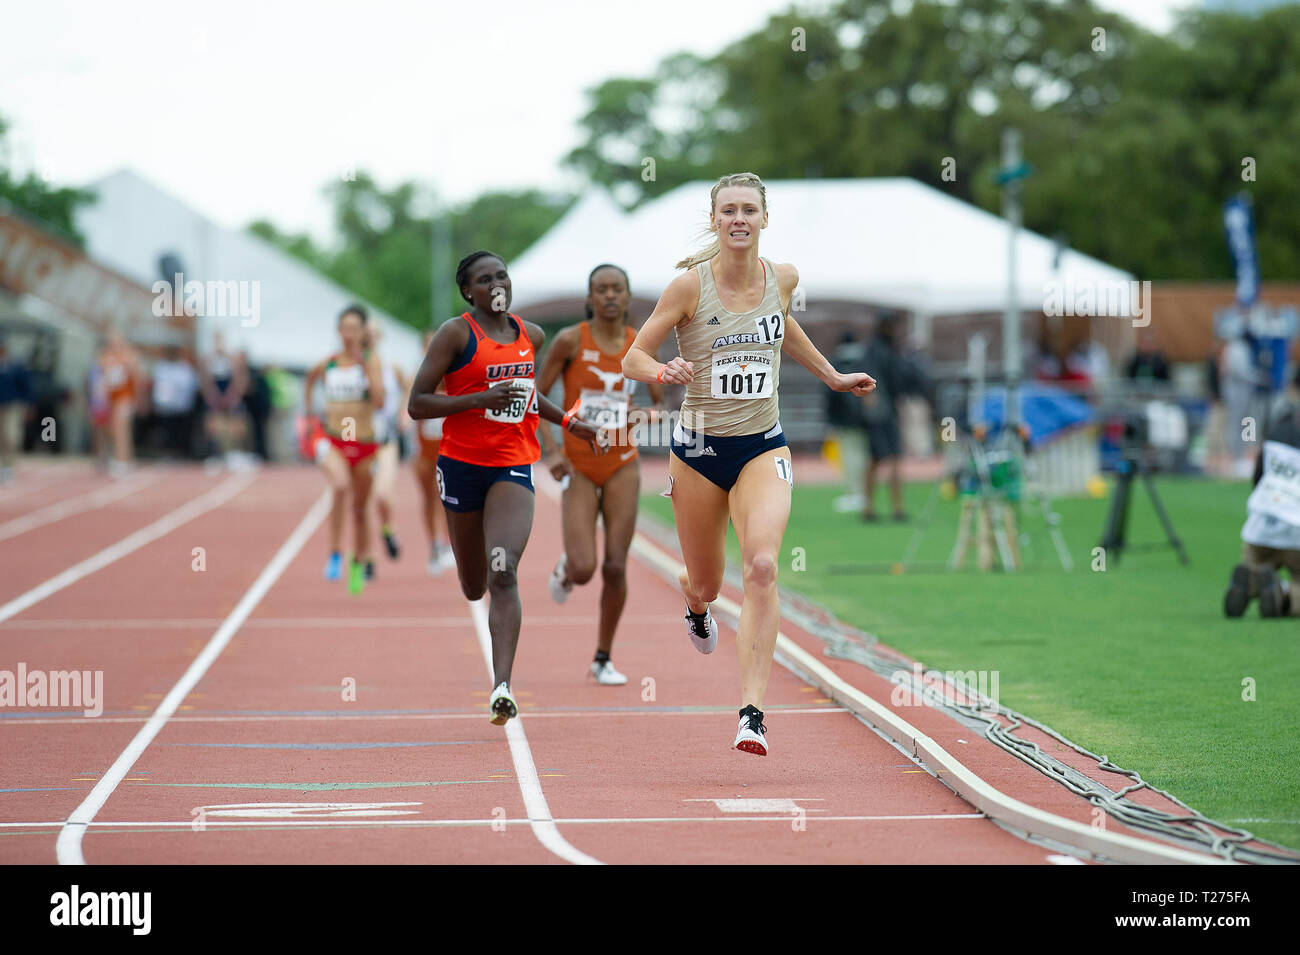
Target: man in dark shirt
x,y
1148,363
15,408
895,377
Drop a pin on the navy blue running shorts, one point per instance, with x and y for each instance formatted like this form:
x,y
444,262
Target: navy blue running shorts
x,y
720,459
463,487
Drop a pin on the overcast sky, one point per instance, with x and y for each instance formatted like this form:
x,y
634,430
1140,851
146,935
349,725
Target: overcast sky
x,y
245,108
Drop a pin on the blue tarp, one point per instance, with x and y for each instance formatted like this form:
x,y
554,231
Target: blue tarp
x,y
1045,409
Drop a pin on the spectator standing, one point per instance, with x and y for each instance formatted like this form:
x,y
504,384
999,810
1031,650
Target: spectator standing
x,y
848,427
894,377
1148,363
257,404
224,382
1238,381
175,398
15,408
285,392
120,368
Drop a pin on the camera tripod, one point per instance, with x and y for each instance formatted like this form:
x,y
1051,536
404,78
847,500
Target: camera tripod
x,y
1112,541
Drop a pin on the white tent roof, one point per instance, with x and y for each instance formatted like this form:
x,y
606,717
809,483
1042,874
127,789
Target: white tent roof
x,y
134,223
893,242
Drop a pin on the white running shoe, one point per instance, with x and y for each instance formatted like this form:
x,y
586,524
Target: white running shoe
x,y
559,592
702,630
448,558
606,675
436,565
502,705
751,737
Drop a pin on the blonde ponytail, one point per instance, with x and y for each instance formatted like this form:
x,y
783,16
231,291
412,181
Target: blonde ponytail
x,y
715,246
706,253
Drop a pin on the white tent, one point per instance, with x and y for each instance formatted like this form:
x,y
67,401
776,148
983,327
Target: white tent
x,y
133,224
889,242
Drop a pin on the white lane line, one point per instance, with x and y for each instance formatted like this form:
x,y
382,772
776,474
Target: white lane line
x,y
290,623
971,787
210,823
159,528
76,505
68,847
341,717
539,813
43,483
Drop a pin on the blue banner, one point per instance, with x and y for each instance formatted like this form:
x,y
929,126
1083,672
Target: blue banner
x,y
1239,224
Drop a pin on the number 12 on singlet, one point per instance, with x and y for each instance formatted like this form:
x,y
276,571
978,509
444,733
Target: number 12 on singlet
x,y
769,326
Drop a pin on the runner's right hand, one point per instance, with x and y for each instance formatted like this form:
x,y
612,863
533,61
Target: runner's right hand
x,y
559,465
679,371
498,398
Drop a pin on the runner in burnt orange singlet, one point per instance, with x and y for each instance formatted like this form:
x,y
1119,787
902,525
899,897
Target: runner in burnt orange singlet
x,y
589,356
486,359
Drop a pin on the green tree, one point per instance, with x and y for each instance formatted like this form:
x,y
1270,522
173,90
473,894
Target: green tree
x,y
384,247
1135,139
55,207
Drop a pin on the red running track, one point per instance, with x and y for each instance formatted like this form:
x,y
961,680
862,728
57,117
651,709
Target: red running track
x,y
269,757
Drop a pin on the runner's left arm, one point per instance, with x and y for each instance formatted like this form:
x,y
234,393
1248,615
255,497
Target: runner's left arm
x,y
549,411
375,374
799,346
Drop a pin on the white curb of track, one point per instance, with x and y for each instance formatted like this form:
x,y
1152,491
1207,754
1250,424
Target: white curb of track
x,y
994,803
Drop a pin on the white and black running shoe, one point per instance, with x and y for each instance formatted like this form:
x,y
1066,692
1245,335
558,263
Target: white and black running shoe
x,y
702,630
502,704
559,587
751,737
605,674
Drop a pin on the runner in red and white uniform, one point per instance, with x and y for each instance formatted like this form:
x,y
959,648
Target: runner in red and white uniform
x,y
486,358
354,389
589,356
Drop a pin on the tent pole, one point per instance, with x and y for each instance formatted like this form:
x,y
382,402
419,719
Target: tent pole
x,y
1011,211
440,287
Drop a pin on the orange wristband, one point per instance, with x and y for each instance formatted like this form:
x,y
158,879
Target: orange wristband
x,y
568,416
660,377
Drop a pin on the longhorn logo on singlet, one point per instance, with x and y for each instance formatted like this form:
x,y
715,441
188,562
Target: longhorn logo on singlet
x,y
523,369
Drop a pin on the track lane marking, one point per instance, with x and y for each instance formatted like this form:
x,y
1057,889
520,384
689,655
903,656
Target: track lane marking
x,y
539,813
210,823
89,501
997,805
68,845
338,623
362,717
132,542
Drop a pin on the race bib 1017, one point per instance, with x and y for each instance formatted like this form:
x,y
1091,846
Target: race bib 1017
x,y
743,375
